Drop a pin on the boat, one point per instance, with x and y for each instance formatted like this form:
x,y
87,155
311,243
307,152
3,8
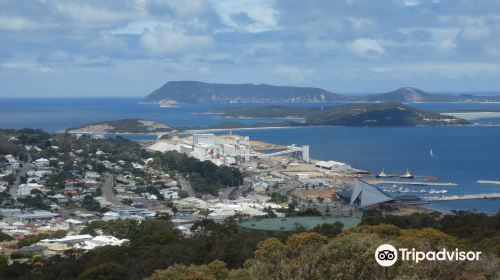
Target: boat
x,y
382,174
431,153
407,175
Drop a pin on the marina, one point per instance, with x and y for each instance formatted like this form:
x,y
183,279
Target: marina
x,y
412,183
464,197
489,182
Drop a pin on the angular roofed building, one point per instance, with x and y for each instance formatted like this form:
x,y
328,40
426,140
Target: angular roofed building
x,y
366,195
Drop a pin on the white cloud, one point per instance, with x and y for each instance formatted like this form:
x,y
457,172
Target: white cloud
x,y
17,23
444,70
262,12
294,73
31,67
91,15
366,48
170,41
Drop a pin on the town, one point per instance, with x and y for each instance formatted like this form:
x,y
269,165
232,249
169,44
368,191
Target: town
x,y
53,186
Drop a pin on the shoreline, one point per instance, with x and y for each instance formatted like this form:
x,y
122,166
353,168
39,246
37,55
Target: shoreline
x,y
273,127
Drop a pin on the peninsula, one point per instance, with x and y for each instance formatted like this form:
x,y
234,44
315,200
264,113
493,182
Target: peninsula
x,y
355,114
174,92
125,126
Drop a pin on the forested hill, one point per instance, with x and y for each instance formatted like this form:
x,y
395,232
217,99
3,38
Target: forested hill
x,y
355,114
199,92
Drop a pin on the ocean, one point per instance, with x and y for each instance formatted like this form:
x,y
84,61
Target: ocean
x,y
462,155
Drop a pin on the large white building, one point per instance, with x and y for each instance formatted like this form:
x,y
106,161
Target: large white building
x,y
42,163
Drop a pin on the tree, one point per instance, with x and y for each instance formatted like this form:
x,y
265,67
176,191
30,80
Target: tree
x,y
329,230
205,212
4,237
105,271
215,270
90,203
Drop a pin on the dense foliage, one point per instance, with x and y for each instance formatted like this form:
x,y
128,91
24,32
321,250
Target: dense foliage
x,y
219,251
204,176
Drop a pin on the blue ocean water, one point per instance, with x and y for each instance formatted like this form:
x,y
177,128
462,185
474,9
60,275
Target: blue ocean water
x,y
462,155
54,114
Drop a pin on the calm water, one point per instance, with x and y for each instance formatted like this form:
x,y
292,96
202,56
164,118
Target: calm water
x,y
462,155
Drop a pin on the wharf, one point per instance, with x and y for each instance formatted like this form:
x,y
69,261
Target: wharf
x,y
464,197
489,182
413,183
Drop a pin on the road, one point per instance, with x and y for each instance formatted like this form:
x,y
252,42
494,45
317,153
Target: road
x,y
20,172
186,186
107,189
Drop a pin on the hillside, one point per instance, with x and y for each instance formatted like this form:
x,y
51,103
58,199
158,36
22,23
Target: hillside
x,y
199,92
122,126
355,114
379,114
410,95
263,112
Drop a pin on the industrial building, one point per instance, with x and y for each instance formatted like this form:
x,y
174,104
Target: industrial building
x,y
222,149
366,195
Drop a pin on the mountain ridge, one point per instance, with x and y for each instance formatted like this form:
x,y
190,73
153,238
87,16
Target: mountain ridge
x,y
353,114
201,92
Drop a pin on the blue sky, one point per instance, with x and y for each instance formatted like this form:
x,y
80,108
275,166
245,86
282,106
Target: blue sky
x,y
131,47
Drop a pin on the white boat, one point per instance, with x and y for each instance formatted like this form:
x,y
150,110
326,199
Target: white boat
x,y
382,174
407,175
431,153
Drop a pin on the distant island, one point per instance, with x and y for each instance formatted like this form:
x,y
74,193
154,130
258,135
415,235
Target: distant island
x,y
175,92
199,92
355,114
125,126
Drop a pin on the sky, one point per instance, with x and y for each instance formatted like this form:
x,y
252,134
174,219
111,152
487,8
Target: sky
x,y
131,47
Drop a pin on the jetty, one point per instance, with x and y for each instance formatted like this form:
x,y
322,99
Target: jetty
x,y
489,182
463,197
412,183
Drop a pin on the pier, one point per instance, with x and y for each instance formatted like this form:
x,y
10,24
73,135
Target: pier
x,y
464,197
412,183
489,182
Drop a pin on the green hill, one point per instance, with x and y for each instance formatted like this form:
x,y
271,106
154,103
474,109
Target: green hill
x,y
355,114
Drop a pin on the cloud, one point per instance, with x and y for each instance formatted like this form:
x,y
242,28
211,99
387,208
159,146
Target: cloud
x,y
168,42
24,66
293,73
444,70
366,48
17,23
242,18
343,45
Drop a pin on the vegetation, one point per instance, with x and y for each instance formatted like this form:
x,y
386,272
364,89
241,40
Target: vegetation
x,y
204,176
355,114
125,126
278,198
198,92
219,251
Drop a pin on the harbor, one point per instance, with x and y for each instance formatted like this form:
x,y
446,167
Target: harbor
x,y
412,183
463,197
488,182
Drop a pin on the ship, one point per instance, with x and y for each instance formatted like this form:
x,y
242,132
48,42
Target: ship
x,y
382,174
407,175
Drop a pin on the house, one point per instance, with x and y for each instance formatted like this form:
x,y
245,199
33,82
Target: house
x,y
35,250
41,163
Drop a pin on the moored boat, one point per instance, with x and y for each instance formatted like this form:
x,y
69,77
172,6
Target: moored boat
x,y
382,174
407,175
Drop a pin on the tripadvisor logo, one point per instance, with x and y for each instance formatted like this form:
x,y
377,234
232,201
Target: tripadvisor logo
x,y
387,255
